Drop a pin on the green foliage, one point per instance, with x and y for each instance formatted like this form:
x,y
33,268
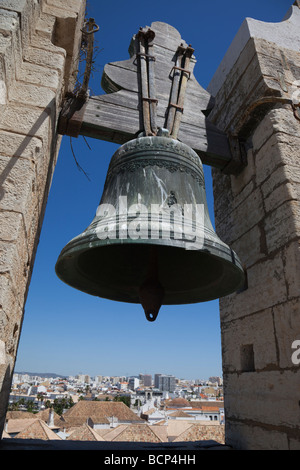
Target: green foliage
x,y
61,404
125,399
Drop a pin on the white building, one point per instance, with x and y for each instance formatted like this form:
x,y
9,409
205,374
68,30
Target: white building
x,y
133,383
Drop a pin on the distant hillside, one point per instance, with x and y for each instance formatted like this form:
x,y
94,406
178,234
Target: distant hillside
x,y
46,375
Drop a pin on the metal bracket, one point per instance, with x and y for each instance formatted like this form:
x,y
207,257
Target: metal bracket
x,y
148,56
182,70
176,106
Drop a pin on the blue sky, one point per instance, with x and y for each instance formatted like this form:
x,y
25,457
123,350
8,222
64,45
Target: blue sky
x,y
68,332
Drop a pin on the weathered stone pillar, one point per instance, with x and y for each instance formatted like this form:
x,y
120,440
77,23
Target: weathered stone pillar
x,y
258,214
39,49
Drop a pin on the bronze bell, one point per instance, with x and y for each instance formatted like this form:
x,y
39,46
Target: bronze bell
x,y
152,241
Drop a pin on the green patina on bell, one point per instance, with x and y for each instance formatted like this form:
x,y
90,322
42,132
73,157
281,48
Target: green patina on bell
x,y
152,241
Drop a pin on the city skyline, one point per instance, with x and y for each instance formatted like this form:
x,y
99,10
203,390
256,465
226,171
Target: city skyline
x,y
140,376
67,331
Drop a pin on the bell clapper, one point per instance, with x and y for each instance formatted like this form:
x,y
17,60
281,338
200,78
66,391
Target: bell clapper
x,y
151,297
151,292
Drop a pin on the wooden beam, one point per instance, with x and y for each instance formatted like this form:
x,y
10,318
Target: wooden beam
x,y
117,116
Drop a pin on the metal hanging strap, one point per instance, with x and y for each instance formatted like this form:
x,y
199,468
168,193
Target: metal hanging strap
x,y
147,72
175,88
180,79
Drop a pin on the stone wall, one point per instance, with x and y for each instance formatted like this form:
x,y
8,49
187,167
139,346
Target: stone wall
x,y
39,48
257,213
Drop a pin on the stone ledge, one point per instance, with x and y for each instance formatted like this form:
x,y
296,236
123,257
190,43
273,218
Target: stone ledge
x,y
32,444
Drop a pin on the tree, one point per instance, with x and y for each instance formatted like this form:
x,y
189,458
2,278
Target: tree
x,y
30,406
59,405
125,399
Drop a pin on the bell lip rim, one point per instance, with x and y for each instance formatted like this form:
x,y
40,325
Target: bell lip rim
x,y
76,246
232,266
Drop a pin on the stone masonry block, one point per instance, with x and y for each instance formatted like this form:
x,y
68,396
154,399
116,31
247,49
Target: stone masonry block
x,y
262,133
223,200
291,258
250,437
287,328
73,5
14,256
240,181
10,55
9,22
267,159
10,30
33,122
32,95
38,75
230,84
282,185
27,11
257,330
6,370
250,247
242,218
59,12
10,322
266,288
268,397
10,223
280,149
283,120
45,25
17,145
285,192
14,5
23,192
45,58
241,197
18,187
282,225
8,297
6,61
14,261
45,44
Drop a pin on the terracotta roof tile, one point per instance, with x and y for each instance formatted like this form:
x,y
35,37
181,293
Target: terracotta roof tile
x,y
137,433
111,433
99,410
84,433
199,432
179,402
38,430
19,415
17,425
180,414
44,415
